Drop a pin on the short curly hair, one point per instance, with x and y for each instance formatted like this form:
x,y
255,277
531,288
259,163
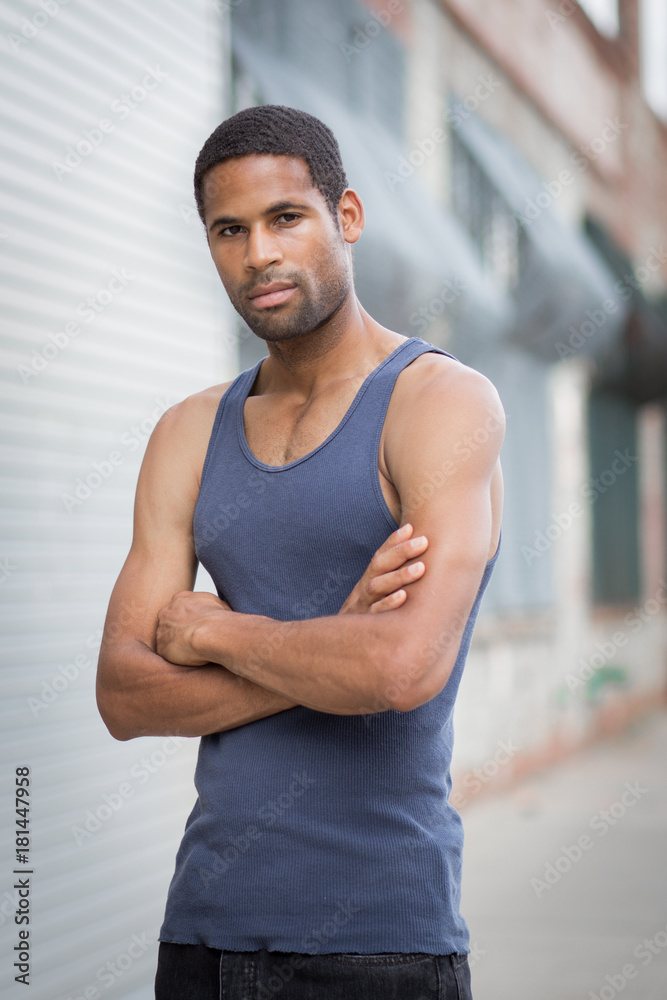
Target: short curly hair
x,y
278,131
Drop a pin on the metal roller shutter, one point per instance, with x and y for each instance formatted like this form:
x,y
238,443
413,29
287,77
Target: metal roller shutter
x,y
112,311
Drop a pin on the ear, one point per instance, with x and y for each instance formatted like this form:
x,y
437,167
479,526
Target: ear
x,y
351,215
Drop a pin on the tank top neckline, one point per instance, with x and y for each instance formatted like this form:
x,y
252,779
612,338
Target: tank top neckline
x,y
245,390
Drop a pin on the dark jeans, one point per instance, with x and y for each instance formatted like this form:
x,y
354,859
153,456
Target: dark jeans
x,y
196,972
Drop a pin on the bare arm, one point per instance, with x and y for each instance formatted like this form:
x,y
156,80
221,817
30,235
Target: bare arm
x,y
138,692
400,659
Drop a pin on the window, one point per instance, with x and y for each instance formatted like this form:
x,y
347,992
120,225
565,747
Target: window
x,y
486,216
613,492
338,44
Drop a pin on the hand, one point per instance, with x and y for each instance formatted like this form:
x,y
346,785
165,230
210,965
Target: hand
x,y
381,586
176,623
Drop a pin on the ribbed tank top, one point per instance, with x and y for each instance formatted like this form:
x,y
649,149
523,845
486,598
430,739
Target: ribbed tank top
x,y
315,832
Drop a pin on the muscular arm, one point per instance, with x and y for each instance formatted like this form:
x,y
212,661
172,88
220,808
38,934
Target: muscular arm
x,y
139,693
400,659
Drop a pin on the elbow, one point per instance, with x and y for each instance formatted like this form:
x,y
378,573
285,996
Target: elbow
x,y
113,723
109,706
415,677
121,735
118,733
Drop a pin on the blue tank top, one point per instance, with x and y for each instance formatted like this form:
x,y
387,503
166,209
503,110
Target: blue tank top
x,y
315,832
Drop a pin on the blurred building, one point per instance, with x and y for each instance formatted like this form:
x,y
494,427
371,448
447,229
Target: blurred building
x,y
516,199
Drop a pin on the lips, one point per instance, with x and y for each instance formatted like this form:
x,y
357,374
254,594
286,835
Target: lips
x,y
271,295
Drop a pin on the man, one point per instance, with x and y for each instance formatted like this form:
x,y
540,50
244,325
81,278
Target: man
x,y
322,857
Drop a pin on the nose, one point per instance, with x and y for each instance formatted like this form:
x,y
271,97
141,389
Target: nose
x,y
262,248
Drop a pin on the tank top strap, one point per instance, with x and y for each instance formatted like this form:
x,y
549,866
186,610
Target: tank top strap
x,y
226,417
368,409
375,400
241,385
387,373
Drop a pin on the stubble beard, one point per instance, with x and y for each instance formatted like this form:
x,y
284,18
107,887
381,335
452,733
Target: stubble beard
x,y
316,308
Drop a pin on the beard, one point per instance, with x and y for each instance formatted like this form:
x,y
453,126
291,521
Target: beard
x,y
317,302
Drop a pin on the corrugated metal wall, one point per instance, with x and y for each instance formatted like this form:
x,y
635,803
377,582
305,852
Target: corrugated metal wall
x,y
112,311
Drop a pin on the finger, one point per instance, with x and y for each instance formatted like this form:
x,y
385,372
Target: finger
x,y
389,559
400,535
387,583
388,603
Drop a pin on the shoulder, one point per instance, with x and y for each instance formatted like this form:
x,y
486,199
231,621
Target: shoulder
x,y
442,414
192,417
435,387
180,438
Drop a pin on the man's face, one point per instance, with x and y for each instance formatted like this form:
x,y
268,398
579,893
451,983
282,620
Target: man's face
x,y
282,259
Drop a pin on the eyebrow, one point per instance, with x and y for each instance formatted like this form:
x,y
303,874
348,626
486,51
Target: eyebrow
x,y
279,206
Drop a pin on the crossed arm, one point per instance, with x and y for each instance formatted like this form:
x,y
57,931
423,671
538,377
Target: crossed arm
x,y
161,663
142,693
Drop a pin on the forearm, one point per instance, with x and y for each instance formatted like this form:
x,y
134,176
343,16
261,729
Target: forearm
x,y
342,664
141,694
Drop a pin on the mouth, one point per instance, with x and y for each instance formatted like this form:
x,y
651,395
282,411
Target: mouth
x,y
271,295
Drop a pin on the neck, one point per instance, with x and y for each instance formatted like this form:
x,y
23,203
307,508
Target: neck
x,y
348,345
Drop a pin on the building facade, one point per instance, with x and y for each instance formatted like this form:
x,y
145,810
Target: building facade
x,y
516,210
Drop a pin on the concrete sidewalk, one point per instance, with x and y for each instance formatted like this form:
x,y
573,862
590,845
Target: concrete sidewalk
x,y
565,876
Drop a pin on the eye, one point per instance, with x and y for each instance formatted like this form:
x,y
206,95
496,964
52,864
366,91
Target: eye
x,y
227,231
288,216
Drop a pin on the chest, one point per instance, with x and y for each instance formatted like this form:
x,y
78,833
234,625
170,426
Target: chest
x,y
278,434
